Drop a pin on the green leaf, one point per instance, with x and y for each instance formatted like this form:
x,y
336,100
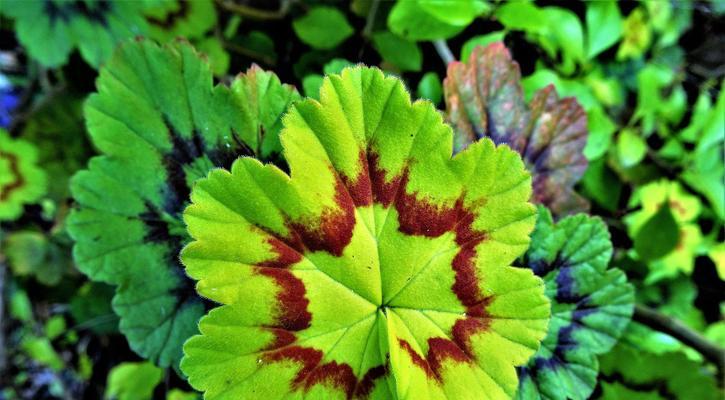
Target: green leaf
x,y
685,208
132,381
565,33
51,29
378,268
21,181
191,20
658,236
173,127
481,40
430,88
403,54
627,372
591,306
602,185
41,351
323,27
522,16
601,130
604,26
484,99
433,19
91,308
637,36
631,148
33,254
311,85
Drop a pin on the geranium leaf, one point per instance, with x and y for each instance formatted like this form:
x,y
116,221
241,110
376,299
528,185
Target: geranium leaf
x,y
484,99
590,306
21,180
628,371
377,269
160,125
50,30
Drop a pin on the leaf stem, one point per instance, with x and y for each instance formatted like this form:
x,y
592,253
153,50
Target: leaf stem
x,y
671,326
444,51
370,21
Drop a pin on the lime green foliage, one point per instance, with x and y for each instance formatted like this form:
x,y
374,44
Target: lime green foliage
x,y
21,181
432,19
631,148
41,351
323,27
628,373
402,54
637,35
590,306
50,30
377,269
133,381
312,83
484,99
655,228
173,127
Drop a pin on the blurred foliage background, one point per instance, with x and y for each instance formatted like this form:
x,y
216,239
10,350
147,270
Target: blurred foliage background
x,y
649,74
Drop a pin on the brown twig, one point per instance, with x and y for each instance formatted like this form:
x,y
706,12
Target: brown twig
x,y
255,13
671,326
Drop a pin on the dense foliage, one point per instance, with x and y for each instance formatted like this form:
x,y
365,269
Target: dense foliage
x,y
411,199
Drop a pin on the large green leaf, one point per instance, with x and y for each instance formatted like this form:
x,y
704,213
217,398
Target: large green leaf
x,y
21,181
433,19
484,99
591,306
160,125
51,29
377,269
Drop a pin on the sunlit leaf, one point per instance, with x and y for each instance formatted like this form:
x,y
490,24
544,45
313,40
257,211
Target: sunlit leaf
x,y
484,99
160,125
684,209
132,381
433,19
377,269
590,306
637,35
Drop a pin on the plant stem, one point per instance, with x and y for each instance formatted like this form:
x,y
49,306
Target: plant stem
x,y
255,13
681,332
444,51
370,21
